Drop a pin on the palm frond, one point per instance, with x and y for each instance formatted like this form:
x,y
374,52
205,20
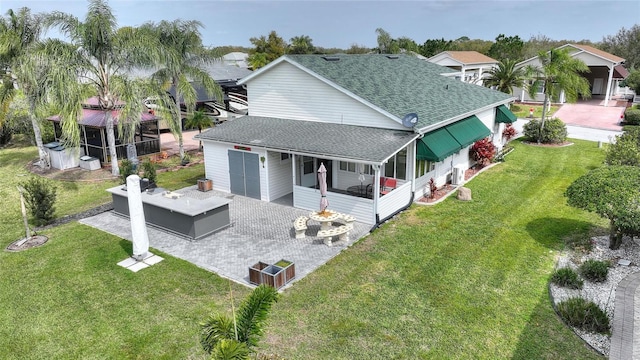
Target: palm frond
x,y
215,328
253,313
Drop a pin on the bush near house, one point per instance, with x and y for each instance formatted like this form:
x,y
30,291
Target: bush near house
x,y
483,151
632,116
553,132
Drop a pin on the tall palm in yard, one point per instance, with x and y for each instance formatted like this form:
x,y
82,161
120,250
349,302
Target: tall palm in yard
x,y
100,56
505,76
182,39
558,72
18,32
200,121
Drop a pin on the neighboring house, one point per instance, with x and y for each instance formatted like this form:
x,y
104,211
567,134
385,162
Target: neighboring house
x,y
470,65
237,58
350,113
606,71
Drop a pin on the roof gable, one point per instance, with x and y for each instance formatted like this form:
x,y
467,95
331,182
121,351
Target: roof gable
x,y
596,52
465,57
401,84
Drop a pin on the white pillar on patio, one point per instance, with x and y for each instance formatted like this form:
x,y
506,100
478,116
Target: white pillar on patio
x,y
608,92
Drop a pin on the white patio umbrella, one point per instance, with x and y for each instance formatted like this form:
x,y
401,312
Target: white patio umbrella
x,y
322,180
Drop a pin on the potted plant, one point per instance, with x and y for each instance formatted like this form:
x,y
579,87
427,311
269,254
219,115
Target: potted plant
x,y
289,269
273,276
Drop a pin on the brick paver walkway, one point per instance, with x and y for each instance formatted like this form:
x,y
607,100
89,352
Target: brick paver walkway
x,y
625,336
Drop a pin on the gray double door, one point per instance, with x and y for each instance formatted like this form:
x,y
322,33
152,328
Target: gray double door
x,y
244,173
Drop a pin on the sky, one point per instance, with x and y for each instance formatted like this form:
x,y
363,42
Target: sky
x,y
341,24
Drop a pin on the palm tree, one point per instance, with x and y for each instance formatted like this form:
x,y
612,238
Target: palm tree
x,y
301,45
198,120
224,335
505,76
182,39
558,72
99,57
19,32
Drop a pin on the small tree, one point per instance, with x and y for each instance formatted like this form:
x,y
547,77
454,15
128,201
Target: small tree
x,y
224,335
126,169
483,151
200,121
613,193
149,171
40,198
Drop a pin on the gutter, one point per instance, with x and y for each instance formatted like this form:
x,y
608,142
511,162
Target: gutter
x,y
380,222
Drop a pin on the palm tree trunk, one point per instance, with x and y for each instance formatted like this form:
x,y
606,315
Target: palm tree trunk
x,y
42,154
111,142
544,115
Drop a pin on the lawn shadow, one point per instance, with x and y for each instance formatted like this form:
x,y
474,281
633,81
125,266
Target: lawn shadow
x,y
545,336
126,245
551,232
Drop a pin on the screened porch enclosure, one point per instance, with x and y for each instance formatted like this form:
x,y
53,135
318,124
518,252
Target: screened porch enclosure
x,y
94,140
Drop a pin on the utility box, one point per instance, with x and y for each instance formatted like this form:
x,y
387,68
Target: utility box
x,y
89,163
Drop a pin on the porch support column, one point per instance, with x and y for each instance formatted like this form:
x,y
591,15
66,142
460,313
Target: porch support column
x,y
411,165
608,93
463,74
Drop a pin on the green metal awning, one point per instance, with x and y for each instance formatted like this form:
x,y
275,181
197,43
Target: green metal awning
x,y
504,115
468,131
437,146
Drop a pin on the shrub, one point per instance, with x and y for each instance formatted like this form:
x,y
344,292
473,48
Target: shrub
x,y
483,151
632,117
186,159
625,150
126,169
566,277
149,171
554,131
584,315
509,132
595,270
40,197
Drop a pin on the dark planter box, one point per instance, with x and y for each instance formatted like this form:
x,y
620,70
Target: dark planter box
x,y
255,272
289,269
273,276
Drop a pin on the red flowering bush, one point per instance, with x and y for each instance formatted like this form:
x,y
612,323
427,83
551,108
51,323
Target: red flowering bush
x,y
483,151
509,132
433,188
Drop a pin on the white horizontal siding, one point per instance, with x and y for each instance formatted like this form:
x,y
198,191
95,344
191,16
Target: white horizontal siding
x,y
360,208
288,92
279,175
216,165
394,201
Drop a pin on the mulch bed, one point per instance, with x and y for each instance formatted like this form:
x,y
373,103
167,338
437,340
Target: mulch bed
x,y
34,241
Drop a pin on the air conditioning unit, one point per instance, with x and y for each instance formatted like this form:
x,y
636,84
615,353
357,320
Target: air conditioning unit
x,y
457,178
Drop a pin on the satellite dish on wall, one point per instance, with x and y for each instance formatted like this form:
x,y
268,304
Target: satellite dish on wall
x,y
410,120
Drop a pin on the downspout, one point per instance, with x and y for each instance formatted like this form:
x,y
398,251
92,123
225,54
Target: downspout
x,y
380,222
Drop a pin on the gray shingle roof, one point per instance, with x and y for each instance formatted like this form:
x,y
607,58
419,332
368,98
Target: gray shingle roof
x,y
402,84
313,138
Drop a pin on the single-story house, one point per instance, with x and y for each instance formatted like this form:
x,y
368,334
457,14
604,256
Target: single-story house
x,y
383,126
93,133
469,65
605,72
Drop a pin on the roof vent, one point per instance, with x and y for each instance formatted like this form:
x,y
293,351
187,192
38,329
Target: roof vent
x,y
393,57
331,58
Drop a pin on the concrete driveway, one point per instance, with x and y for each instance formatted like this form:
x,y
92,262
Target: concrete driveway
x,y
592,114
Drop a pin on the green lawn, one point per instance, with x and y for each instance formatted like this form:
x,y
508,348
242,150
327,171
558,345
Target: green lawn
x,y
522,110
452,281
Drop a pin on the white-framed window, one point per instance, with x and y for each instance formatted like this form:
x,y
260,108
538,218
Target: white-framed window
x,y
396,167
423,167
355,168
285,157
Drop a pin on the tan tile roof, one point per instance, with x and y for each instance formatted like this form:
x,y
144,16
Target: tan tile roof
x,y
470,57
599,52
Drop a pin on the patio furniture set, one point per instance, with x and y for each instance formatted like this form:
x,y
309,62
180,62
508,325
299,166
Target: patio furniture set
x,y
327,230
